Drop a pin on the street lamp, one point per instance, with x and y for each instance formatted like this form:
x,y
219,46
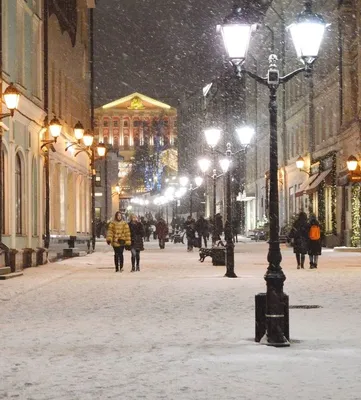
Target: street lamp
x,y
204,165
89,148
11,97
245,134
307,33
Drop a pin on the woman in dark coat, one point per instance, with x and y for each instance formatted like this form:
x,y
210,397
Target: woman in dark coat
x,y
162,232
314,245
137,234
299,234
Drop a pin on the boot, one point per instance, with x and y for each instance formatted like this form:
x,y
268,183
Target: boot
x,y
121,268
133,269
138,269
116,263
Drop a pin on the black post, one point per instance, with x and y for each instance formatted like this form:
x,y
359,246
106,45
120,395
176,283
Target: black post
x,y
214,177
46,109
92,163
47,199
191,202
274,275
93,199
228,230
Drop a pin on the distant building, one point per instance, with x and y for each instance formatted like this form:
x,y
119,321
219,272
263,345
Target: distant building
x,y
141,136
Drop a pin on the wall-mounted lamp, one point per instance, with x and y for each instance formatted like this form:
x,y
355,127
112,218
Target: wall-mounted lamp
x,y
300,163
55,128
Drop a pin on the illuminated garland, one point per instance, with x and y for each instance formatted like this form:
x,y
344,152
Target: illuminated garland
x,y
322,207
333,194
355,215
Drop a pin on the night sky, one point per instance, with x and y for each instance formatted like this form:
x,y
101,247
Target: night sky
x,y
162,48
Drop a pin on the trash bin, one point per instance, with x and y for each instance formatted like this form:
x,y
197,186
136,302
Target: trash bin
x,y
27,257
40,256
219,256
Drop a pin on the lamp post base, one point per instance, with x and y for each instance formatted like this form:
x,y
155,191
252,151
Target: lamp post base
x,y
230,275
268,342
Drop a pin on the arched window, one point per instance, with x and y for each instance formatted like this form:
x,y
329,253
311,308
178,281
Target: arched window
x,y
35,198
18,195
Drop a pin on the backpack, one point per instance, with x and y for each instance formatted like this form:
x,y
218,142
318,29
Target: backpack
x,y
314,232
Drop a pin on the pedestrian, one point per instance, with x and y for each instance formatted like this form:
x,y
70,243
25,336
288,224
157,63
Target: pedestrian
x,y
299,234
235,229
161,230
217,229
189,227
137,234
202,229
314,243
118,236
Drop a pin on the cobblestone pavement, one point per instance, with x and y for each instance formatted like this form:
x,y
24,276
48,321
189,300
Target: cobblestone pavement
x,y
178,329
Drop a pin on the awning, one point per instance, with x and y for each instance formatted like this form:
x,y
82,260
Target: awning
x,y
321,177
305,185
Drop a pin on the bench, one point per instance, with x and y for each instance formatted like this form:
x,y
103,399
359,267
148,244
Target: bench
x,y
218,255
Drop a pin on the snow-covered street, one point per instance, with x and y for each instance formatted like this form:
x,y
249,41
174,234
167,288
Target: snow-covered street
x,y
178,330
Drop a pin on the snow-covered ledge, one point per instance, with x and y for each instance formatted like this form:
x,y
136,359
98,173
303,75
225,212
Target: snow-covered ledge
x,y
348,249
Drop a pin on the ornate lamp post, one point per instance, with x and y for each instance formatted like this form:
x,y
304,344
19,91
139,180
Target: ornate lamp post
x,y
212,136
204,165
307,33
184,182
90,149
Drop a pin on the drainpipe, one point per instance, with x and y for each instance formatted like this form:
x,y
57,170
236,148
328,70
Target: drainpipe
x,y
46,109
92,162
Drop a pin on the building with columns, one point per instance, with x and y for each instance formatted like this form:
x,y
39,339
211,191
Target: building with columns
x,y
46,53
141,135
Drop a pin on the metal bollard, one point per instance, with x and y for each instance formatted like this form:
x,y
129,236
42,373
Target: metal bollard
x,y
260,316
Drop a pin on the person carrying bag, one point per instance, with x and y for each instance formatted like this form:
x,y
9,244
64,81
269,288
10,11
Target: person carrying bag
x,y
314,243
118,236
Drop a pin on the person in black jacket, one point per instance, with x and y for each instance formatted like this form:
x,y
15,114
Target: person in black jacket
x,y
202,229
137,234
299,234
189,227
314,243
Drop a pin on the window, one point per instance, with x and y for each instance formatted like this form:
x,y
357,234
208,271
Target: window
x,y
98,214
115,123
98,181
60,89
106,123
328,209
291,205
18,195
20,47
36,76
